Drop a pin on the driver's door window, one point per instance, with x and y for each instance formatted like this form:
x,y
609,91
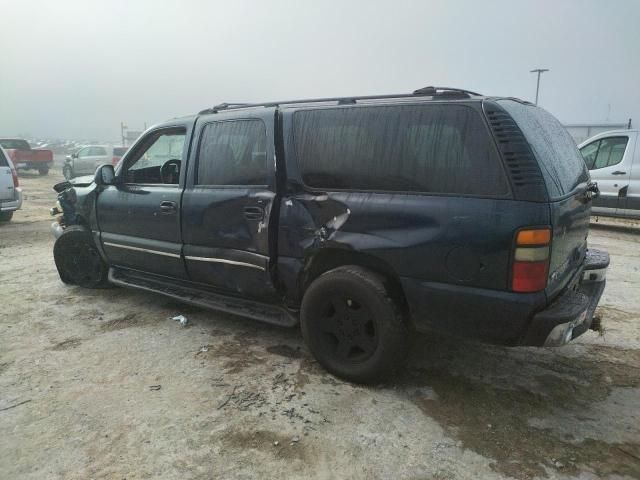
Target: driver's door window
x,y
158,160
84,152
606,152
590,153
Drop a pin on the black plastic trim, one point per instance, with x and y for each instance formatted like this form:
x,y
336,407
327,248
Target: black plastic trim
x,y
521,165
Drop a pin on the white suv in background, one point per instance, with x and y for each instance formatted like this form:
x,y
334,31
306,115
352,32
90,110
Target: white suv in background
x,y
10,191
613,160
87,159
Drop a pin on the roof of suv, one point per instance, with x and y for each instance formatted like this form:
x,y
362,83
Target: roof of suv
x,y
426,94
422,94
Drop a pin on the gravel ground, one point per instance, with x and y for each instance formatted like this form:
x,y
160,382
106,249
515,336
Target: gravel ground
x,y
102,384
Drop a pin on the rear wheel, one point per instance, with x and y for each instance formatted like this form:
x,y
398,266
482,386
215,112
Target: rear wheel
x,y
43,170
77,259
6,216
353,326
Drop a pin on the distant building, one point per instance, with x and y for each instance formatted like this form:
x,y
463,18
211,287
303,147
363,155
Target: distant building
x,y
581,131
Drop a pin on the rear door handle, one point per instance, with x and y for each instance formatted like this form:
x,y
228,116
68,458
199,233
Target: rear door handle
x,y
254,213
618,172
168,208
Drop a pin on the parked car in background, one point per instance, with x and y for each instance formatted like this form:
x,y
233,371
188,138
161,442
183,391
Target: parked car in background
x,y
613,159
10,191
118,153
87,159
26,158
362,218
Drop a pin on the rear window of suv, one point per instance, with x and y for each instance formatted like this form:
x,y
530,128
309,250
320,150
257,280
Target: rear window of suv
x,y
404,148
562,165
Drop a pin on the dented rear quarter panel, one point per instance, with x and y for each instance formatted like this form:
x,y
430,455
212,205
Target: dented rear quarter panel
x,y
447,239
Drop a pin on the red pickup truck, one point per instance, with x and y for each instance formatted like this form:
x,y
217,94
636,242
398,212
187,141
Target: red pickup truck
x,y
26,158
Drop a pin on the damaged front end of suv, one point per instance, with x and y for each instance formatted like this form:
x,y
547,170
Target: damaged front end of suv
x,y
76,252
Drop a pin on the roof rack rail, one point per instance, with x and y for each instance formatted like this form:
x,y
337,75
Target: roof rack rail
x,y
430,91
223,106
426,91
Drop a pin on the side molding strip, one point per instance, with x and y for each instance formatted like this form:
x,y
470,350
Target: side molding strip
x,y
146,250
223,260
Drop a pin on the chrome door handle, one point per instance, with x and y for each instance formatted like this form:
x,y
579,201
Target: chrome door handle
x,y
254,213
168,208
618,172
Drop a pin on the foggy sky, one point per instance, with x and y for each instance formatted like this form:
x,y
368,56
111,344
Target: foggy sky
x,y
75,69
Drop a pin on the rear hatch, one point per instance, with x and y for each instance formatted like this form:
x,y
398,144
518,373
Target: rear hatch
x,y
566,179
6,179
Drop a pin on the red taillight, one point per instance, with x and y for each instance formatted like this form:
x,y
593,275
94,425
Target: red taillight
x,y
14,174
529,276
531,260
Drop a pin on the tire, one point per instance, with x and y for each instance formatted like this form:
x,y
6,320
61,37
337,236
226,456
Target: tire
x,y
43,170
6,216
353,326
78,260
67,171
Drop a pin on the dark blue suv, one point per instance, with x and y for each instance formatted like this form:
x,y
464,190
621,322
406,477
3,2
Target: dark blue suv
x,y
362,218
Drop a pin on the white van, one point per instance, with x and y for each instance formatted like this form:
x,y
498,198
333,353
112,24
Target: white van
x,y
613,159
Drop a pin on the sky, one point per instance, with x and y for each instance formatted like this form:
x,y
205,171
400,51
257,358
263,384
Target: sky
x,y
76,69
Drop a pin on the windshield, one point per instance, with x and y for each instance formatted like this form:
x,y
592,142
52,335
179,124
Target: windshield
x,y
15,144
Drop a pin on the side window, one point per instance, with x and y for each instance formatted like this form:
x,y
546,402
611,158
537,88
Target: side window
x,y
233,153
84,152
604,153
611,151
99,151
3,159
158,159
590,152
426,148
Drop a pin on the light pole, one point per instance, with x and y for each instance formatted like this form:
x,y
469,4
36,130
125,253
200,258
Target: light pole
x,y
123,127
539,71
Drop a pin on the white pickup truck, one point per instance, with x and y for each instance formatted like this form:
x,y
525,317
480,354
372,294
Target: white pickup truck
x,y
613,160
10,191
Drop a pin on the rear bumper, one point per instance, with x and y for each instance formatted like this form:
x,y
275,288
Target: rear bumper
x,y
11,205
33,165
509,318
571,314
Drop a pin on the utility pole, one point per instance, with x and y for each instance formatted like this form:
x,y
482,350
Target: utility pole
x,y
539,71
123,127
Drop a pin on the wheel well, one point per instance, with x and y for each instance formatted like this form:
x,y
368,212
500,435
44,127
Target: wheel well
x,y
328,259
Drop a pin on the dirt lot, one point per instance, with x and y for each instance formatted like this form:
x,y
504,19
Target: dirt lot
x,y
102,384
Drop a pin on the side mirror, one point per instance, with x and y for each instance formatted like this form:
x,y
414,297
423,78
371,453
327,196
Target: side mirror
x,y
74,155
105,175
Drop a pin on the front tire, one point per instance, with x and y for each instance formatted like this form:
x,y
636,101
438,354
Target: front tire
x,y
353,326
78,260
43,170
6,216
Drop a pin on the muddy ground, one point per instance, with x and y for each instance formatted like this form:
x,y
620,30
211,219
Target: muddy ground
x,y
102,384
